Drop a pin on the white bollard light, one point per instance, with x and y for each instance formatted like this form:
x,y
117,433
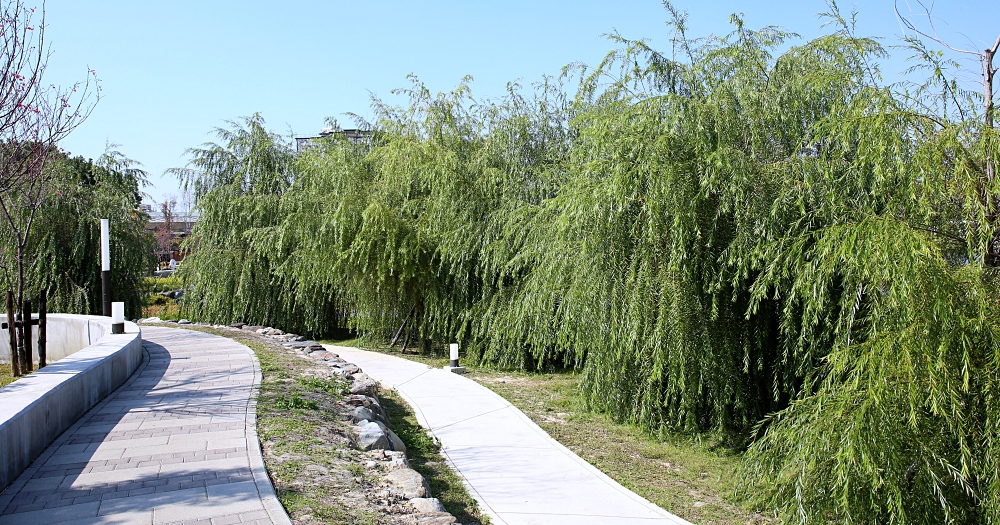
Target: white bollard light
x,y
453,367
118,318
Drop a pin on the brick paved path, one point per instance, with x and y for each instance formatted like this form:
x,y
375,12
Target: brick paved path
x,y
177,444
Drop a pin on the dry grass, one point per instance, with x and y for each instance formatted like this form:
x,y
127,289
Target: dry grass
x,y
6,377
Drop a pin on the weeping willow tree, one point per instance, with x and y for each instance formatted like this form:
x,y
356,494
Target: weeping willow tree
x,y
63,255
408,226
745,234
234,272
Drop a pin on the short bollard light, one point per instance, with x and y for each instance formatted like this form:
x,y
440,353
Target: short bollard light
x,y
454,361
118,318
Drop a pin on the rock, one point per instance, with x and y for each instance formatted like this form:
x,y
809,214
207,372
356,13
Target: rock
x,y
371,464
397,444
360,413
342,373
426,505
351,368
396,458
303,345
275,331
371,436
408,483
250,328
237,325
368,388
437,518
154,319
183,321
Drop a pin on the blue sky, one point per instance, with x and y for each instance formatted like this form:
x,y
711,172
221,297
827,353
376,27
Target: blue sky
x,y
172,71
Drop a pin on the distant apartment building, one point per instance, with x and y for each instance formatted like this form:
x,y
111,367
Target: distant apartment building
x,y
356,136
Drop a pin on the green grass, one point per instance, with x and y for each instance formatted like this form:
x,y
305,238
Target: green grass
x,y
155,285
6,377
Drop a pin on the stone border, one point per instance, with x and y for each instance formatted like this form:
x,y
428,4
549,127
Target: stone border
x,y
37,408
265,489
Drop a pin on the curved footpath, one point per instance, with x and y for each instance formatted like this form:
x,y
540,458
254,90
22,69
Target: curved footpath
x,y
517,472
176,444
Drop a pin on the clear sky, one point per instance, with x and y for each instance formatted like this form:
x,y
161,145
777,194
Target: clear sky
x,y
173,71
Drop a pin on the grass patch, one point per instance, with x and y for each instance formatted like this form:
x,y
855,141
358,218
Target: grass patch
x,y
424,454
6,377
167,311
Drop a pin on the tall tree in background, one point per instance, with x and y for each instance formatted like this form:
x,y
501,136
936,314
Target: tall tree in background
x,y
34,117
165,241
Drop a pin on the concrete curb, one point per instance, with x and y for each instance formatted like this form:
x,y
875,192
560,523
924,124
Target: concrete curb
x,y
265,489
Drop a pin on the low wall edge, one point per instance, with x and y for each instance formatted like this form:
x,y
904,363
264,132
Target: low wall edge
x,y
37,408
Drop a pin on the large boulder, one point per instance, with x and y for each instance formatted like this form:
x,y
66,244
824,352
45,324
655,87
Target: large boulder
x,y
366,387
408,483
427,505
362,413
371,436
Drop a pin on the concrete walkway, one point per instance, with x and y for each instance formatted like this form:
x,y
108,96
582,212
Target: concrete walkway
x,y
176,444
519,474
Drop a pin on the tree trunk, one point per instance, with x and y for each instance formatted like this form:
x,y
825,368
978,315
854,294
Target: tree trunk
x,y
15,365
992,256
401,328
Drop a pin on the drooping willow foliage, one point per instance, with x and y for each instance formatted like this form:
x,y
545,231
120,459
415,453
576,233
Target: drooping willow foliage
x,y
741,235
64,247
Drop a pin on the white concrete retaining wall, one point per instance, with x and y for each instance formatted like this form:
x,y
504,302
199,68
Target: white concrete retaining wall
x,y
65,334
37,408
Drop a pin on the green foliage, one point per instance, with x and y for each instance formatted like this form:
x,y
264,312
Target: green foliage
x,y
333,387
744,235
236,273
153,285
63,255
